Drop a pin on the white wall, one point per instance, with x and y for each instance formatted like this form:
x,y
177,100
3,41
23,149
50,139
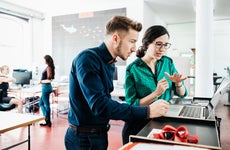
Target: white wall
x,y
41,35
182,35
221,46
183,39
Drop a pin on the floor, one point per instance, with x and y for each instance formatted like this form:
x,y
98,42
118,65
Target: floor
x,y
223,112
53,138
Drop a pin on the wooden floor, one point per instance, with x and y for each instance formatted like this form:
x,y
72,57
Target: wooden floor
x,y
53,138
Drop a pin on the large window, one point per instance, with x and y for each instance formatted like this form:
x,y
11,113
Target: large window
x,y
14,41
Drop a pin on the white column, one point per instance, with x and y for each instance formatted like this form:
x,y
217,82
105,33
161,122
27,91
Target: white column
x,y
204,48
137,16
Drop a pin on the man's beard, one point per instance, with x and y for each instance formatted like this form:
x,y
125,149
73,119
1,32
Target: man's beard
x,y
119,51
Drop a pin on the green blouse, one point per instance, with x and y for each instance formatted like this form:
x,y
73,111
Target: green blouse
x,y
140,81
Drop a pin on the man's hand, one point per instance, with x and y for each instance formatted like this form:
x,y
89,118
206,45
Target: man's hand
x,y
158,108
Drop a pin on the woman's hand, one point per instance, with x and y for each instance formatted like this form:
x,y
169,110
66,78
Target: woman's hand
x,y
176,78
162,85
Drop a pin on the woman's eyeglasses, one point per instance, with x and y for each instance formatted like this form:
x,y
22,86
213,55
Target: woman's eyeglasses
x,y
161,44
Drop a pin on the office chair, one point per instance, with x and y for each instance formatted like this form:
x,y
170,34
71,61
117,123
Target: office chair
x,y
5,106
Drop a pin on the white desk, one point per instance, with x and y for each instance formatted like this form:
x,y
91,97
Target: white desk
x,y
32,89
118,91
25,92
11,121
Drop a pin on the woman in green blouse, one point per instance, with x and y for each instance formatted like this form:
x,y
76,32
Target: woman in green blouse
x,y
152,76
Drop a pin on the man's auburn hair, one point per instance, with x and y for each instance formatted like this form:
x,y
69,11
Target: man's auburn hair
x,y
122,23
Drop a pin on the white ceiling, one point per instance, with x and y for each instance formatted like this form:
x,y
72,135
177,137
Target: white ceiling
x,y
182,11
171,11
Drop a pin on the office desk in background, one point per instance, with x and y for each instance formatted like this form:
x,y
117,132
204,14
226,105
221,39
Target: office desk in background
x,y
119,94
11,121
30,91
118,91
23,92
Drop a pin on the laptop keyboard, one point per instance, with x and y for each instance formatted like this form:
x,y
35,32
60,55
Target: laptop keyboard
x,y
188,111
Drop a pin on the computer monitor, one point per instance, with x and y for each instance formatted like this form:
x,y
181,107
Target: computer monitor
x,y
22,77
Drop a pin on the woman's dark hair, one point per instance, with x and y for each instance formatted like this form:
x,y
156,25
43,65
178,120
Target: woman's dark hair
x,y
150,35
50,63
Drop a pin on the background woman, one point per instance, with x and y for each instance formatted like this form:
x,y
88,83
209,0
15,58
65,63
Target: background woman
x,y
46,79
5,79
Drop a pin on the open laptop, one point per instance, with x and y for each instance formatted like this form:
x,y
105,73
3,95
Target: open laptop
x,y
197,111
190,111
